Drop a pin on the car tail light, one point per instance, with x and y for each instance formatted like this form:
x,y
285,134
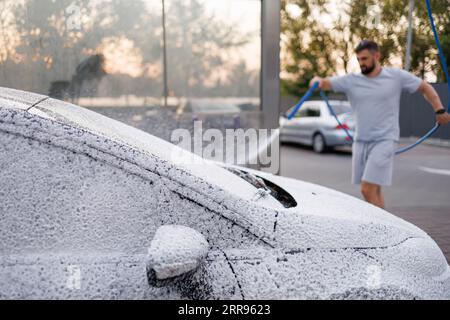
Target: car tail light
x,y
344,126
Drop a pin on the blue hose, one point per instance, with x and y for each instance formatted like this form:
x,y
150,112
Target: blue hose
x,y
425,137
307,95
325,98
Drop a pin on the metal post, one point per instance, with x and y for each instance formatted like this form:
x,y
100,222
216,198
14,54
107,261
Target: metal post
x,y
270,64
166,92
270,75
410,36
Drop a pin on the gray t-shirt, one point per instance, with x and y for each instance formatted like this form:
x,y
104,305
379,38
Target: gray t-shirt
x,y
376,101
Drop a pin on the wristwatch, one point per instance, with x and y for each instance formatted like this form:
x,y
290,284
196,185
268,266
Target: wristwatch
x,y
441,111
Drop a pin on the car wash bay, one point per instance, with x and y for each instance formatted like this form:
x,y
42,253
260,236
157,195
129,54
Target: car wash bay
x,y
419,193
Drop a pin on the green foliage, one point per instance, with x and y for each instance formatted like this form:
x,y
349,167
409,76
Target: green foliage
x,y
304,39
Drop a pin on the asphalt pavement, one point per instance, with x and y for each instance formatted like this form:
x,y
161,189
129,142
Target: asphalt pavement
x,y
420,190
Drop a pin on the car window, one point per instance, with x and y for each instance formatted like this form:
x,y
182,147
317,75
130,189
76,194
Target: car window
x,y
65,201
98,124
307,112
313,111
302,113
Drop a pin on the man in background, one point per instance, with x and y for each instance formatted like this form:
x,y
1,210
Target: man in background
x,y
375,97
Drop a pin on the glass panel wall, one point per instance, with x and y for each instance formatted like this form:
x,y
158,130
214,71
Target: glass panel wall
x,y
108,55
81,49
214,60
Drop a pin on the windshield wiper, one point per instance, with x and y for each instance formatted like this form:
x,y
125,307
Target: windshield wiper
x,y
261,193
265,188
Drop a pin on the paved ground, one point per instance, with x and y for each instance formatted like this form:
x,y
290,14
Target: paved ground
x,y
420,191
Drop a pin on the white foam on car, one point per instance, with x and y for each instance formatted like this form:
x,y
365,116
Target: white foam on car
x,y
70,191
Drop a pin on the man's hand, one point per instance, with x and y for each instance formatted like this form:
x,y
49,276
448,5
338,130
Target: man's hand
x,y
324,83
443,119
314,80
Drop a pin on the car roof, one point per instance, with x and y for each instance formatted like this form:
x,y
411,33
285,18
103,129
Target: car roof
x,y
20,100
78,117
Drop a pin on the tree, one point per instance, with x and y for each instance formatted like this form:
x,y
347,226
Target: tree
x,y
310,49
392,34
424,55
305,43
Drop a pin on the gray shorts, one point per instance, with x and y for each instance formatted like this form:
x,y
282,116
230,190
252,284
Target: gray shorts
x,y
373,162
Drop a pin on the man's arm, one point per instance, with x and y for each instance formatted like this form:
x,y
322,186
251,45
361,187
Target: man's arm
x,y
324,83
433,98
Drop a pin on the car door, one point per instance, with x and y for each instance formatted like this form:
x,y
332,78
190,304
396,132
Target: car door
x,y
310,122
99,213
293,128
214,279
306,123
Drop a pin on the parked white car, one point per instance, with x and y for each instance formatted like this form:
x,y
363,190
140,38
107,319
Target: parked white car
x,y
92,208
314,125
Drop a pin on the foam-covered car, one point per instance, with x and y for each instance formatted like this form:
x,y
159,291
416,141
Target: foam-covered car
x,y
92,208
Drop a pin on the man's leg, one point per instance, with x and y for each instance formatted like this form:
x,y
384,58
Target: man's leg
x,y
381,198
378,171
372,193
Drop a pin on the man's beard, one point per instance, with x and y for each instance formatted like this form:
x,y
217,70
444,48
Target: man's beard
x,y
368,70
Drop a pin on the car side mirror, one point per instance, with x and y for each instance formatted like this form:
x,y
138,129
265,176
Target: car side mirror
x,y
174,252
